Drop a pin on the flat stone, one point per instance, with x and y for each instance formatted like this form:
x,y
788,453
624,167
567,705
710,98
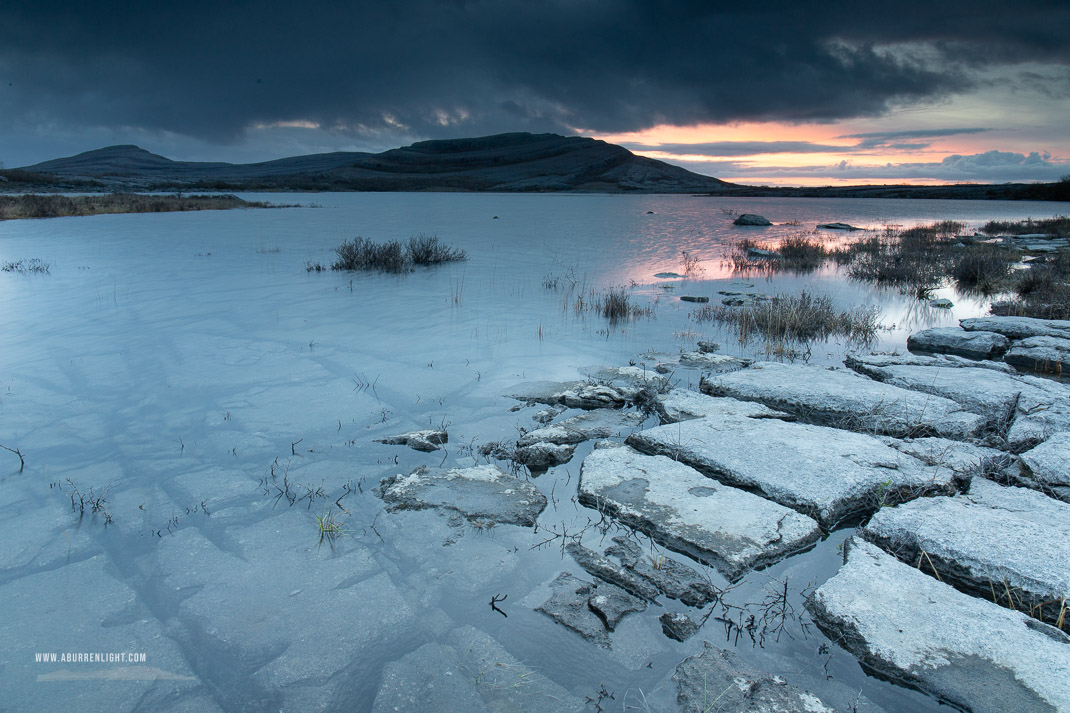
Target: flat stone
x,y
484,491
543,456
427,440
607,570
845,400
1048,465
675,579
666,275
693,298
713,362
1027,408
837,226
683,510
826,473
682,405
428,675
1019,327
677,625
965,459
645,576
542,392
1010,545
611,604
860,363
954,340
632,377
751,219
570,604
1042,355
598,423
720,680
904,624
547,415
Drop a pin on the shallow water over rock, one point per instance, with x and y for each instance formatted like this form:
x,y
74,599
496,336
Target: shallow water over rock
x,y
199,417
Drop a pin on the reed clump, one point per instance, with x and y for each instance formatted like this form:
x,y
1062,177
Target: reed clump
x,y
804,317
394,256
616,305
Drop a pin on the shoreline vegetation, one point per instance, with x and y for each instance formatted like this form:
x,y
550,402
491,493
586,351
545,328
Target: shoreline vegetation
x,y
1023,265
26,206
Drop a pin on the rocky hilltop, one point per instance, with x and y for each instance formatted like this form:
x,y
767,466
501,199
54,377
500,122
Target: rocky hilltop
x,y
516,162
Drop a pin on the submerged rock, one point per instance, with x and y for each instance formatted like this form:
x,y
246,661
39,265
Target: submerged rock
x,y
427,441
543,456
485,492
694,298
609,571
675,579
597,423
666,275
683,510
1042,355
1006,544
81,607
496,675
941,303
677,625
845,400
954,340
591,610
826,473
906,625
645,577
707,347
720,680
573,394
430,673
837,226
1019,327
751,219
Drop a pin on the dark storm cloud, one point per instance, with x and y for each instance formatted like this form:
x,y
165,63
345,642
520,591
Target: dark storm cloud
x,y
894,139
211,70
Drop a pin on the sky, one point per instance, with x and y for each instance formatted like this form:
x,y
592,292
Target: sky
x,y
808,92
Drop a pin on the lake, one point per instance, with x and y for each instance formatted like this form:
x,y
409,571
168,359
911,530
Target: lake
x,y
191,402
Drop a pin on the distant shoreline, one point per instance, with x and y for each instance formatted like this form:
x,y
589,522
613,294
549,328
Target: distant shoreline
x,y
29,206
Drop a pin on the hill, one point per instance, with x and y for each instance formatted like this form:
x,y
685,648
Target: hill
x,y
516,162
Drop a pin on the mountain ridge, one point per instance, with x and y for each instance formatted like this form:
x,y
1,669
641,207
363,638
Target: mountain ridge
x,y
512,162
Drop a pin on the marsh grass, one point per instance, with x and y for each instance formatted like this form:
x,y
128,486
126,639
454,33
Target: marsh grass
x,y
616,305
427,250
796,319
394,256
1058,226
33,266
800,252
58,206
921,259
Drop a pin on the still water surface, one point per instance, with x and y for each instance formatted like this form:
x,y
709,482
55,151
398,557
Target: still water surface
x,y
171,360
